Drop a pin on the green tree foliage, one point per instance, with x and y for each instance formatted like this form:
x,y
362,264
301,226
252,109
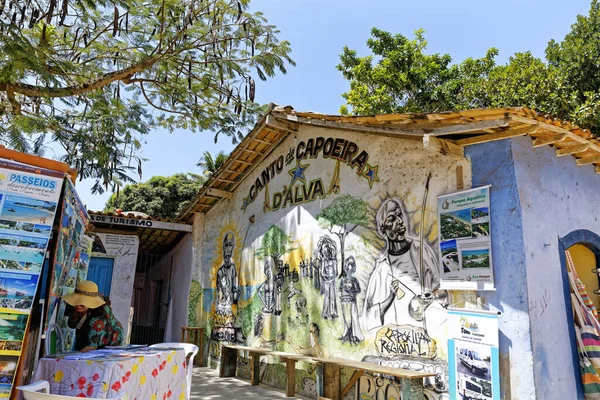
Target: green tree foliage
x,y
95,76
275,243
210,164
399,76
341,217
160,196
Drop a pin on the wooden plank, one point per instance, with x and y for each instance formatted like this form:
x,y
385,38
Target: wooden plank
x,y
331,381
242,161
442,146
251,151
262,141
460,183
588,160
580,148
255,369
224,180
549,140
597,169
290,387
219,193
355,377
508,133
228,362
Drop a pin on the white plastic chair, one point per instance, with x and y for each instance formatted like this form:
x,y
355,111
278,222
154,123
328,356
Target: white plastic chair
x,y
40,390
190,350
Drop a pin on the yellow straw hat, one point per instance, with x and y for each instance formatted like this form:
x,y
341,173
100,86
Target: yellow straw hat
x,y
86,294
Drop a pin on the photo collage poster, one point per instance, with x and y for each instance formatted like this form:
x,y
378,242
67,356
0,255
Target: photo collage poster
x,y
28,202
71,259
465,246
473,357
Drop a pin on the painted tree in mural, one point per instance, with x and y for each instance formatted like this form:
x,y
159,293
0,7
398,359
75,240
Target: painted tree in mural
x,y
275,243
399,76
343,216
94,76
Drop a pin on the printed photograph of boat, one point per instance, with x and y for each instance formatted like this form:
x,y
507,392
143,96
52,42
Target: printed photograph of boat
x,y
17,286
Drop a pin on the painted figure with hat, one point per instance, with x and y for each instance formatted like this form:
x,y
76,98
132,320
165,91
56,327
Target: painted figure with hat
x,y
90,315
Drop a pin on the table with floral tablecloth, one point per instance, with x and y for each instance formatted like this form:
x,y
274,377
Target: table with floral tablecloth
x,y
144,374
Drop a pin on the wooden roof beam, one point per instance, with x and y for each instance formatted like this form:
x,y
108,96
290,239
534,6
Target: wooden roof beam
x,y
242,162
219,193
262,141
404,131
545,141
251,151
443,146
588,160
508,133
579,148
224,180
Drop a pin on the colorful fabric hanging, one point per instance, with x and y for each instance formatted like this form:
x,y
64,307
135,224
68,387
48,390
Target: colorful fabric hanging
x,y
587,329
580,287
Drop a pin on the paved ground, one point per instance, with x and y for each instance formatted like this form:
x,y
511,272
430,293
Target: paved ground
x,y
206,384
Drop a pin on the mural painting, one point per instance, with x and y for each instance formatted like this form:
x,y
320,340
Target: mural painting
x,y
332,264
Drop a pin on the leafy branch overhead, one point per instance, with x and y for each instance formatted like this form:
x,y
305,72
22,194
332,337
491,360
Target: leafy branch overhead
x,y
399,76
97,75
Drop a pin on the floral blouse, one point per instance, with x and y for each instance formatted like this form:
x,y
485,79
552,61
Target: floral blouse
x,y
100,329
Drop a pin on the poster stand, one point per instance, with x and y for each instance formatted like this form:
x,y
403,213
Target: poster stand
x,y
473,354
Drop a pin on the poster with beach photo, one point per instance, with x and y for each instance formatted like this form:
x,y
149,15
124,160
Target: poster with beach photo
x,y
29,197
465,241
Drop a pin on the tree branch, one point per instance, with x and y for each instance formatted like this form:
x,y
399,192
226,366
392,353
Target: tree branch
x,y
42,91
158,107
14,104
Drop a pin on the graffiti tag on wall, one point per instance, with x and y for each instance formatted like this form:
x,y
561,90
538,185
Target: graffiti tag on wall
x,y
406,340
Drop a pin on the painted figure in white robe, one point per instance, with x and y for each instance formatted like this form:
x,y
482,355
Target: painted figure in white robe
x,y
329,271
266,291
395,291
349,288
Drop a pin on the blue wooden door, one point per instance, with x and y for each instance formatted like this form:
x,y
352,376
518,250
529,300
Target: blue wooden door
x,y
100,272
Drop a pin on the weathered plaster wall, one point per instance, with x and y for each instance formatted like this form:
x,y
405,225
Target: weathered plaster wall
x,y
492,163
124,249
181,275
557,197
250,312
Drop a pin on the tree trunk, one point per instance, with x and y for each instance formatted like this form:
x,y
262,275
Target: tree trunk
x,y
342,237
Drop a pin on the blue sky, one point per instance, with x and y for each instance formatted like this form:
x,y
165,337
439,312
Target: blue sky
x,y
318,30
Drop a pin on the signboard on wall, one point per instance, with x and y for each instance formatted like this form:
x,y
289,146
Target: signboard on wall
x,y
71,259
473,361
28,202
465,246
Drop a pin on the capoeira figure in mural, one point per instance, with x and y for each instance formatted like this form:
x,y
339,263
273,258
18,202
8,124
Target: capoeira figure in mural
x,y
397,293
278,293
227,283
329,271
349,288
292,290
317,272
266,291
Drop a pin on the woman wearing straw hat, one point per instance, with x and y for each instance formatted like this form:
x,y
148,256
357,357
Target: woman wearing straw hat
x,y
90,314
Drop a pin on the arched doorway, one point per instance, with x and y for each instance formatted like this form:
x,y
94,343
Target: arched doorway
x,y
585,265
584,247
